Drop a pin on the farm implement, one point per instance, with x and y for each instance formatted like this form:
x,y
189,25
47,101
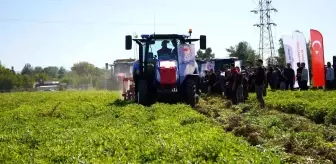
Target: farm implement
x,y
166,69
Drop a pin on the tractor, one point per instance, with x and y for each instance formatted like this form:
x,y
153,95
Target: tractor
x,y
121,70
166,69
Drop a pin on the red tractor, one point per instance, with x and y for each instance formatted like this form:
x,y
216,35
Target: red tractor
x,y
122,77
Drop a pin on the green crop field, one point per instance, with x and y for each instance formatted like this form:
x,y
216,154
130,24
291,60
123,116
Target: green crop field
x,y
96,127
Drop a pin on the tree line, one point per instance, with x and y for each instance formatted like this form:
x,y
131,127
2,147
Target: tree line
x,y
81,73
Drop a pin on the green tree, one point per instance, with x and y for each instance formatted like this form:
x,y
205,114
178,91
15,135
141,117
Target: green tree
x,y
7,79
40,77
26,81
38,69
207,54
51,71
61,72
243,51
83,68
281,58
27,70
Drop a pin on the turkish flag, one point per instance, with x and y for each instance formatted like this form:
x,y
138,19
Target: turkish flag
x,y
317,58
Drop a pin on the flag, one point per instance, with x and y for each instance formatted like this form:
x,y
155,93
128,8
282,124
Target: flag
x,y
317,55
288,43
300,52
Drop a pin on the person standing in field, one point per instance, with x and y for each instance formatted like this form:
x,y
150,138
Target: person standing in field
x,y
282,79
290,77
222,82
269,77
245,85
265,81
245,75
259,83
239,86
304,77
233,84
329,76
275,78
212,81
298,74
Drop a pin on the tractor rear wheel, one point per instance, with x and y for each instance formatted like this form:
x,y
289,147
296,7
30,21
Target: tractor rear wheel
x,y
142,92
191,93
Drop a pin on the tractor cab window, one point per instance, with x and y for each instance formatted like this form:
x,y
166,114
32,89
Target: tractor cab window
x,y
163,49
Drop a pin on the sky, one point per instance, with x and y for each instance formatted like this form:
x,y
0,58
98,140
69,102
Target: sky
x,y
63,32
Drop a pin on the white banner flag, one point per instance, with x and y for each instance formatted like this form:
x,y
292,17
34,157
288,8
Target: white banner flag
x,y
300,52
291,57
288,43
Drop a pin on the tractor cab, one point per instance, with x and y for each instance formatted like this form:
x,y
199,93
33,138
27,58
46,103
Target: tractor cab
x,y
166,66
123,66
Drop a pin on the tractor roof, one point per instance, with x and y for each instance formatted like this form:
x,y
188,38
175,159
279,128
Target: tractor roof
x,y
124,61
163,36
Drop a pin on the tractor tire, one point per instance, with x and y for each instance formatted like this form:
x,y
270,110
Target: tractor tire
x,y
191,93
142,94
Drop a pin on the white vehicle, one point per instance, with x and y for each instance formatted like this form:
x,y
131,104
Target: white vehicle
x,y
48,86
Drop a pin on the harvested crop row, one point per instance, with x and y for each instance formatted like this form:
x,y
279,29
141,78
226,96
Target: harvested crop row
x,y
295,137
94,127
319,106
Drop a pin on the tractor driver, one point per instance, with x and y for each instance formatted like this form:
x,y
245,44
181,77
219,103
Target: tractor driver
x,y
164,49
174,51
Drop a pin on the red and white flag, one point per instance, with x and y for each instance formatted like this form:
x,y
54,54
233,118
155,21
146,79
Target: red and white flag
x,y
317,57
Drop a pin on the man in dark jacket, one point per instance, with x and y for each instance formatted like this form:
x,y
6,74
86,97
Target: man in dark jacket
x,y
290,76
245,85
269,77
282,78
260,78
234,84
298,74
212,81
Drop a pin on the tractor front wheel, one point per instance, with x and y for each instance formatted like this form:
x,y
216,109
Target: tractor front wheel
x,y
142,92
191,93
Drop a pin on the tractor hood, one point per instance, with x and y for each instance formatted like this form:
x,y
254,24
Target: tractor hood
x,y
166,71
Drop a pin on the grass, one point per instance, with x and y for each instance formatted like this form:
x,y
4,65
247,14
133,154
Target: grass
x,y
96,127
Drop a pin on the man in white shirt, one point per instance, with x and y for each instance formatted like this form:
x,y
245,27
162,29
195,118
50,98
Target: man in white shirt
x,y
329,76
304,77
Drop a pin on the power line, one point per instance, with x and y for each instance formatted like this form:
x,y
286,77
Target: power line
x,y
266,40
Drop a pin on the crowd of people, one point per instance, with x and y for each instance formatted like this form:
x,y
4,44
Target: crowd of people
x,y
236,83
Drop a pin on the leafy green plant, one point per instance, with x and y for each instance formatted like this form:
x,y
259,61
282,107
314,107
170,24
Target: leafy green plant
x,y
319,106
95,127
295,137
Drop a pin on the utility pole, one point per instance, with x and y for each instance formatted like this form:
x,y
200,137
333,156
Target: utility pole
x,y
266,43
